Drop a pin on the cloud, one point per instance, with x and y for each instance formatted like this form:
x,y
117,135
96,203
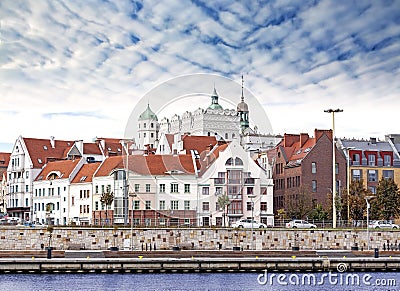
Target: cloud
x,y
97,58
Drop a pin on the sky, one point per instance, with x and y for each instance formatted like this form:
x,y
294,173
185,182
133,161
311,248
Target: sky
x,y
76,69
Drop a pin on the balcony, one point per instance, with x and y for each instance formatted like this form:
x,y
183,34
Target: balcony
x,y
219,181
249,181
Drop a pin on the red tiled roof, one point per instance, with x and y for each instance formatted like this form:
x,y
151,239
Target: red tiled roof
x,y
42,149
85,174
199,143
4,159
91,149
148,165
64,167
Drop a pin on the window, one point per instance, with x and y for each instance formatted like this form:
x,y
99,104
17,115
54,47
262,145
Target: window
x,y
314,185
96,205
148,205
218,190
372,189
372,176
249,206
27,175
186,205
162,205
356,174
206,206
250,190
147,188
102,189
234,177
337,169
174,188
387,174
263,206
187,188
226,135
26,188
313,168
205,191
174,204
97,189
137,187
144,125
162,188
72,200
26,202
152,125
387,160
356,159
136,205
371,160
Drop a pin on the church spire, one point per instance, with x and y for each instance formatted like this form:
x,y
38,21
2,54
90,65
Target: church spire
x,y
243,111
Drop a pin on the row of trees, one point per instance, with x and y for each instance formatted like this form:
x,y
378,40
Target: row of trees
x,y
385,205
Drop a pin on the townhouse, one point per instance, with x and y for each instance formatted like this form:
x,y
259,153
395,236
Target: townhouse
x,y
303,165
371,160
4,160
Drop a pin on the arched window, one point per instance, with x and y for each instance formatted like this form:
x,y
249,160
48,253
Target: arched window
x,y
238,162
229,162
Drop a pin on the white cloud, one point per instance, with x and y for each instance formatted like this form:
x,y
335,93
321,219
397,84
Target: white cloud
x,y
66,56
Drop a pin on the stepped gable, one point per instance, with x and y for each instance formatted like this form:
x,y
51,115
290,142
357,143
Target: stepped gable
x,y
61,169
86,173
43,150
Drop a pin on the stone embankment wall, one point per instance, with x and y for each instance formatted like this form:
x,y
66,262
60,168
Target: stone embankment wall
x,y
62,238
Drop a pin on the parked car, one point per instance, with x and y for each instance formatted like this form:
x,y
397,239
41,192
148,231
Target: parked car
x,y
14,220
383,224
246,223
297,223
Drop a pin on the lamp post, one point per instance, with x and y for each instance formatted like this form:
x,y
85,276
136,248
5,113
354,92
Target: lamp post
x,y
133,195
348,182
333,111
125,145
368,207
252,218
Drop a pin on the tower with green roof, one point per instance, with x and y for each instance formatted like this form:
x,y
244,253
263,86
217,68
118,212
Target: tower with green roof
x,y
148,128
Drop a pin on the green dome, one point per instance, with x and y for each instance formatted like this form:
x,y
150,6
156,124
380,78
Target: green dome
x,y
214,101
148,114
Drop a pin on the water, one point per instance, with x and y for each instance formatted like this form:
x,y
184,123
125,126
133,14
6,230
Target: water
x,y
201,281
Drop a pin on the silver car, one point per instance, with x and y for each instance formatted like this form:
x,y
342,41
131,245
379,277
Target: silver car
x,y
297,223
246,223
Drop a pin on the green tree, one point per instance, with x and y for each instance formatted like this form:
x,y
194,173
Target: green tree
x,y
319,213
386,204
223,201
357,202
298,202
107,199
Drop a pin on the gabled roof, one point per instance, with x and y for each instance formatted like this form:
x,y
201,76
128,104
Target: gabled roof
x,y
61,169
86,173
295,147
41,150
149,164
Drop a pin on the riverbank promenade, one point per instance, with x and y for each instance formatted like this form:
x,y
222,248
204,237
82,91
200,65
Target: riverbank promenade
x,y
86,261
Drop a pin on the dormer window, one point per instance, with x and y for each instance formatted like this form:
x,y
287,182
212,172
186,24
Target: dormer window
x,y
45,148
40,161
83,178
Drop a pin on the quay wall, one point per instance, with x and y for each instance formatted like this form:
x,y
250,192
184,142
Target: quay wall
x,y
66,238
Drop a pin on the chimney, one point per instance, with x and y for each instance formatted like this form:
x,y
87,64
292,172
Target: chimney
x,y
320,132
52,142
303,138
373,140
290,139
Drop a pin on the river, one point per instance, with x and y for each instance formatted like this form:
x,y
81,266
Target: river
x,y
203,281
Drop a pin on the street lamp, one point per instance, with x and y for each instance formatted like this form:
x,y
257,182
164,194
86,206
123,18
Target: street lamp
x,y
133,195
333,111
348,182
368,207
252,219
